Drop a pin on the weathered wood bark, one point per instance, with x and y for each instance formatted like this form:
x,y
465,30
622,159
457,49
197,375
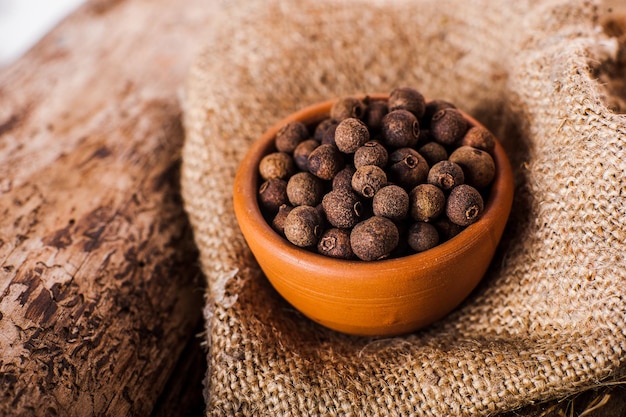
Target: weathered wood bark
x,y
99,289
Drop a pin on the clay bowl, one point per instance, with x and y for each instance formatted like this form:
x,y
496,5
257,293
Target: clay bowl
x,y
378,298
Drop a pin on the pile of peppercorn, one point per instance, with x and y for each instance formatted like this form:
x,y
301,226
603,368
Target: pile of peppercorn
x,y
377,178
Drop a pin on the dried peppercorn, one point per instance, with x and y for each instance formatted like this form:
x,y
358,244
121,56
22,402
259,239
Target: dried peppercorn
x,y
422,236
448,126
374,238
407,167
302,151
347,107
374,114
278,222
391,201
343,179
433,152
343,208
446,175
427,202
464,205
407,98
290,135
400,129
276,165
273,194
371,153
368,179
325,161
322,127
479,137
433,107
335,243
303,226
478,166
304,189
350,135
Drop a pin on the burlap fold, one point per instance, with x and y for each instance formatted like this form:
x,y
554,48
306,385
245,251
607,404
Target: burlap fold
x,y
548,320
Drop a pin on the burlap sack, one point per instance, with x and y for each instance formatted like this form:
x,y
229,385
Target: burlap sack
x,y
550,317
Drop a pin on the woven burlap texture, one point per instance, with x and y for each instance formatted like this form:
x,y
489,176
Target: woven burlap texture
x,y
548,320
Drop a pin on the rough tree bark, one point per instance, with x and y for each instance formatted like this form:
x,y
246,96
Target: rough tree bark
x,y
99,288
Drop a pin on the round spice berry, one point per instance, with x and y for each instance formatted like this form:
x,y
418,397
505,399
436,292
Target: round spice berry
x,y
374,238
447,230
427,202
464,205
347,107
422,236
302,152
478,166
303,226
407,98
371,153
446,175
320,129
342,207
325,161
391,201
273,194
343,179
374,114
328,137
276,165
278,222
433,107
407,167
479,137
351,134
448,126
290,135
433,152
336,244
400,129
304,189
368,179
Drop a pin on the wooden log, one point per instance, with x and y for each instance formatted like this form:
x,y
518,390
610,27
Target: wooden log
x,y
99,286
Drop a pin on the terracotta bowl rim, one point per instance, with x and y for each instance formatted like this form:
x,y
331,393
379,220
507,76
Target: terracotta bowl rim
x,y
247,209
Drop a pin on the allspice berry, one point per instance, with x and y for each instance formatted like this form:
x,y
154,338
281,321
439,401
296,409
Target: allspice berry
x,y
343,179
447,230
427,202
290,135
478,166
422,236
464,205
407,167
368,179
448,126
273,194
278,222
320,129
303,226
343,208
407,98
335,243
392,202
346,107
276,165
400,129
328,138
433,107
479,137
304,189
374,238
371,153
351,133
376,110
433,152
302,152
446,175
325,161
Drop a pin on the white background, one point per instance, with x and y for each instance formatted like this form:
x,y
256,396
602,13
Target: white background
x,y
24,22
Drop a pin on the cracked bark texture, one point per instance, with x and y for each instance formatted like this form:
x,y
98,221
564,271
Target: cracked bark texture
x,y
99,287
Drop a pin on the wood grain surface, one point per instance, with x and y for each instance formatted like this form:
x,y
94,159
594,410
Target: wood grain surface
x,y
100,291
